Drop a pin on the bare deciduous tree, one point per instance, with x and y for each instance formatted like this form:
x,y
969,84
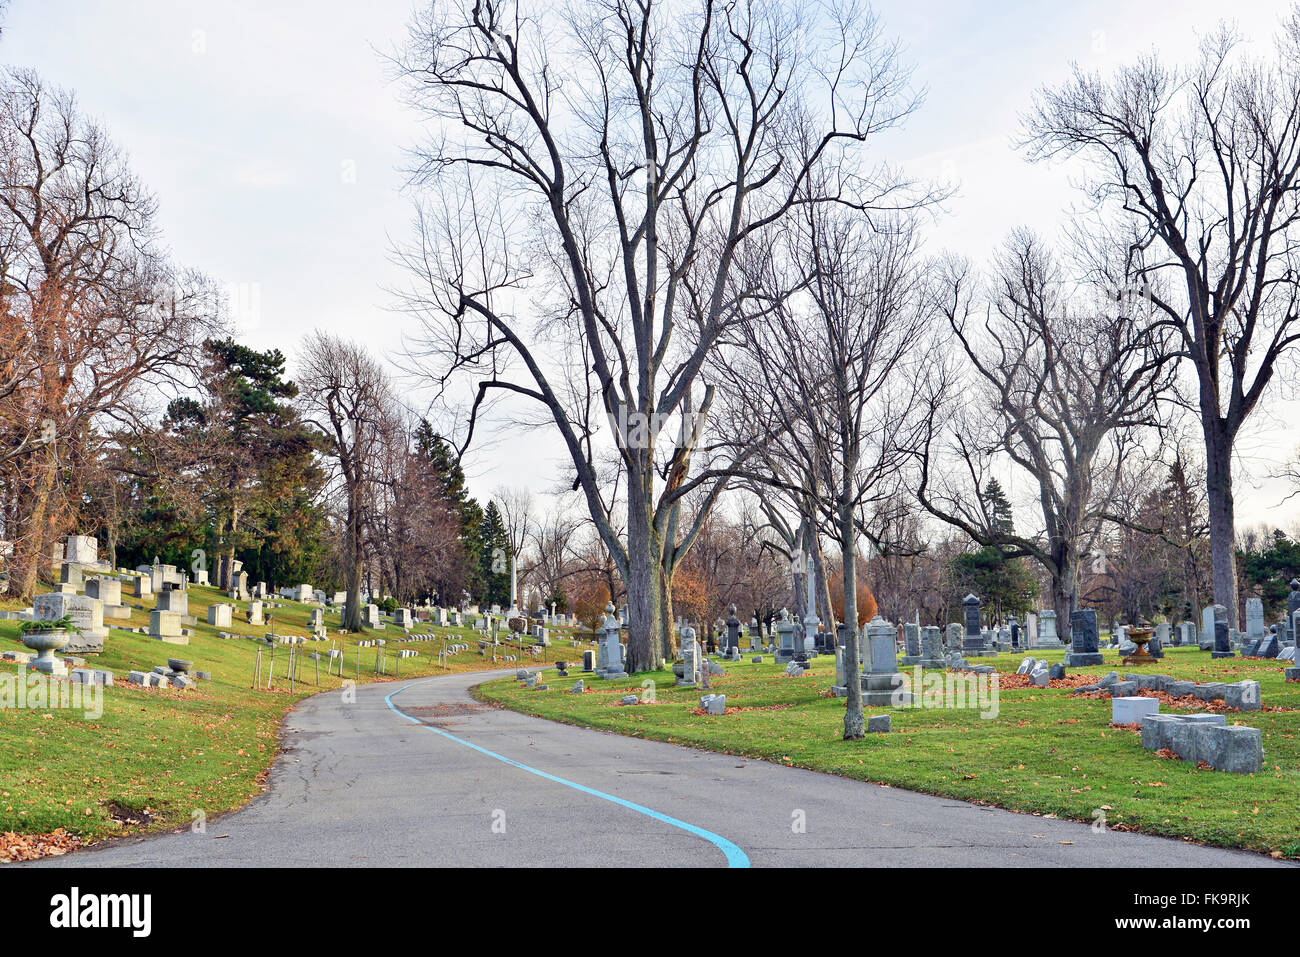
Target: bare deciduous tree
x,y
842,358
1069,375
516,508
348,398
96,316
1204,165
617,209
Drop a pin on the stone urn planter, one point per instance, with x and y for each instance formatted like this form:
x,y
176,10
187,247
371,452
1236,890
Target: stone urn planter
x,y
45,644
1140,637
179,665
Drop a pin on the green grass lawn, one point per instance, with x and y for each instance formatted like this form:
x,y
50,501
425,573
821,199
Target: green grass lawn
x,y
157,755
1044,753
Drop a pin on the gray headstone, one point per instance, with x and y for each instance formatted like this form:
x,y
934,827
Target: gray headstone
x,y
973,642
952,637
1255,618
1222,641
881,646
912,640
1084,646
733,630
1293,607
87,616
1047,624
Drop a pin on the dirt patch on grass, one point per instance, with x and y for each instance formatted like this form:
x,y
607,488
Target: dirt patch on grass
x,y
128,816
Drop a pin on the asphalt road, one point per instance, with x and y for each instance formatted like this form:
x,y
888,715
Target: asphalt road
x,y
473,786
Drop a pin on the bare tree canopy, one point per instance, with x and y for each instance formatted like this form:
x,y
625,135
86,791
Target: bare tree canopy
x,y
348,398
606,218
1068,373
95,316
831,363
1203,166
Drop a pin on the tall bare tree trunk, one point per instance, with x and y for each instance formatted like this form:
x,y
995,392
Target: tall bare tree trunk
x,y
352,618
227,566
1218,485
38,537
644,583
1065,586
825,611
666,615
799,573
854,721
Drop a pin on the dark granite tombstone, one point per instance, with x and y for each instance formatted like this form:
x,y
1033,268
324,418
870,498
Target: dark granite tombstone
x,y
1083,639
1222,646
733,630
973,643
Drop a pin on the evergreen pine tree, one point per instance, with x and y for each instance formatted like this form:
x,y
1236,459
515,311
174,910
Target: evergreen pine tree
x,y
494,558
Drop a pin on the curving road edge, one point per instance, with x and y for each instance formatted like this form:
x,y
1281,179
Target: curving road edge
x,y
363,783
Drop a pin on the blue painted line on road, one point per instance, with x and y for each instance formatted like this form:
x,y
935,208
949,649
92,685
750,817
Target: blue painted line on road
x,y
735,856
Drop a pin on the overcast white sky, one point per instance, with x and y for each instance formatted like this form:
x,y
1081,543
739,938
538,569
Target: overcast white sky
x,y
271,136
